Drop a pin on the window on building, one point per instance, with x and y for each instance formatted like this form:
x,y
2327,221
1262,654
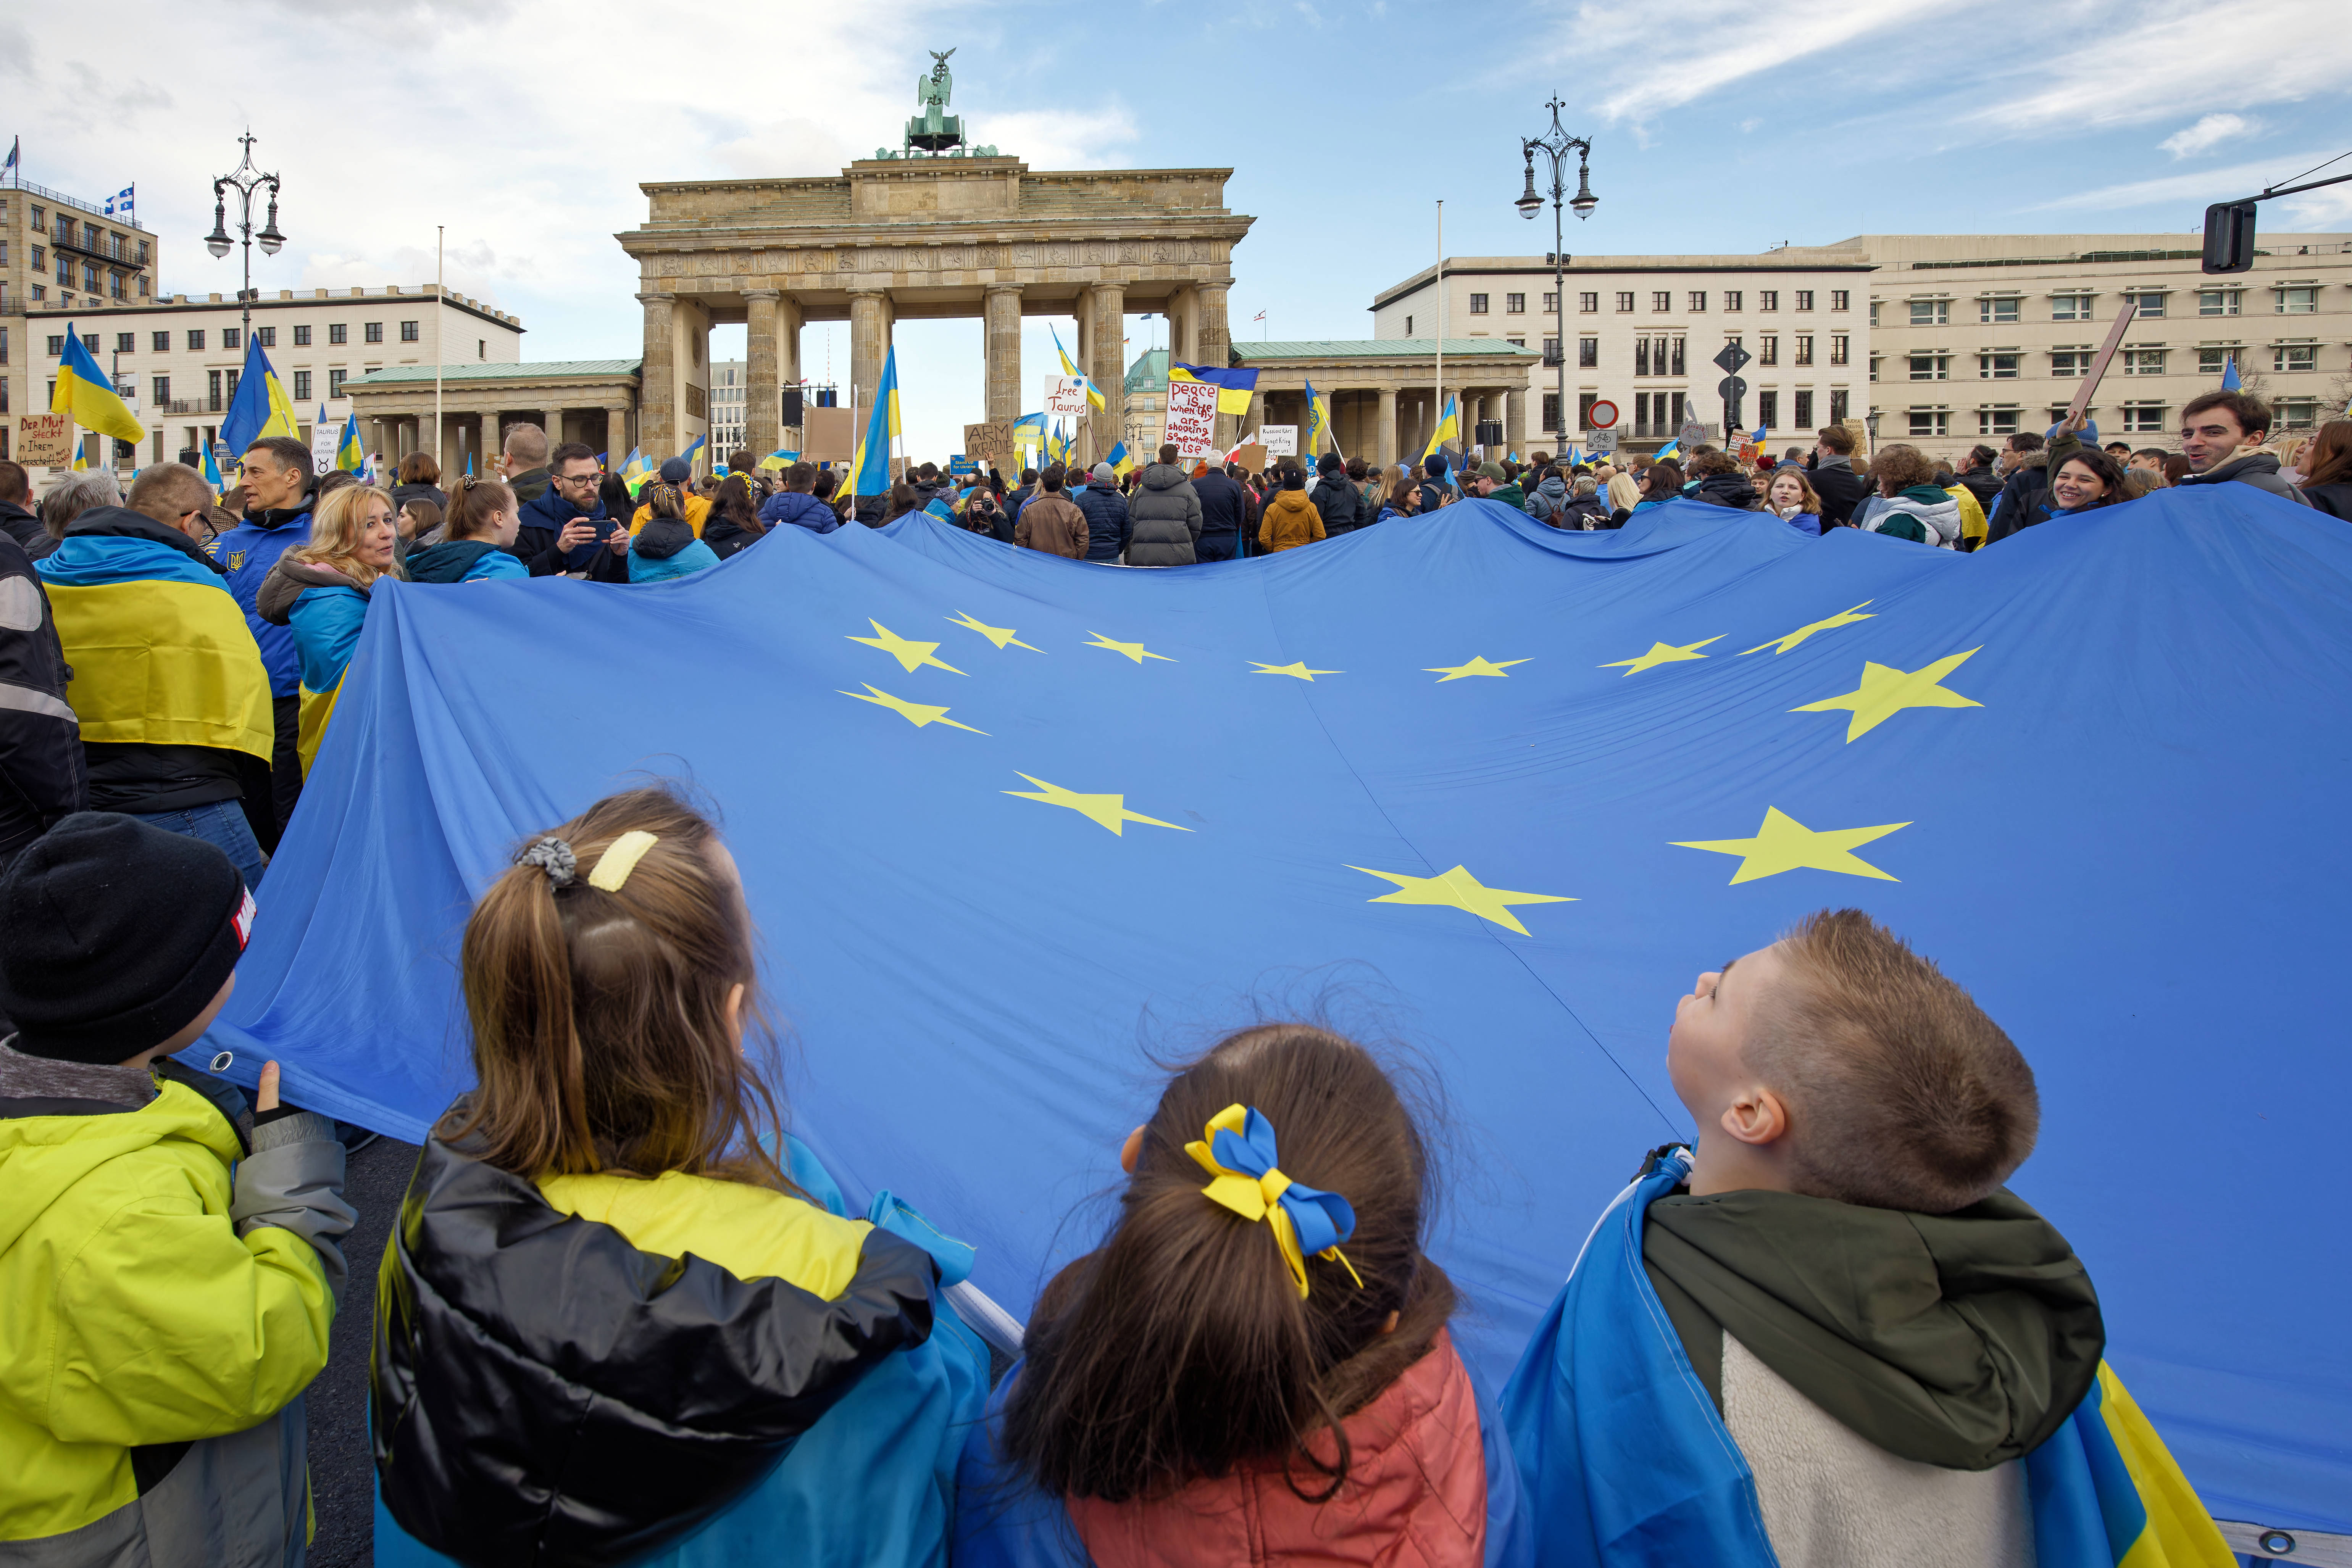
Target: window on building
x,y
1768,348
2002,308
301,386
1515,304
1997,421
1586,304
1768,409
162,388
56,345
126,342
1840,300
232,337
2219,301
1733,299
1551,411
1873,312
266,337
301,337
40,218
1838,408
213,390
143,294
1930,312
2213,359
2296,356
1641,356
1678,361
64,272
335,383
1587,353
40,260
408,329
338,334
1697,301
2064,362
1520,341
1408,326
2069,308
1875,359
1930,422
1930,367
373,331
195,339
1550,349
1584,402
2142,418
1803,417
88,278
2143,361
232,376
89,342
1805,350
2003,366
114,286
1662,301
2300,301
1477,308
1839,350
2296,412
1767,299
161,342
2149,300
89,240
143,253
1804,299
1624,300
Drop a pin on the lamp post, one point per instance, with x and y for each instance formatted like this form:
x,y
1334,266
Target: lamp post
x,y
1555,145
247,181
1869,423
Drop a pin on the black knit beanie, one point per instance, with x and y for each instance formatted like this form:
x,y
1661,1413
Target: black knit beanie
x,y
114,936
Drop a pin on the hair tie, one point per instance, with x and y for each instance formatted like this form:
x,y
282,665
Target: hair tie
x,y
1238,1150
553,856
619,858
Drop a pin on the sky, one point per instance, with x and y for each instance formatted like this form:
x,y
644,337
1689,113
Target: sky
x,y
524,126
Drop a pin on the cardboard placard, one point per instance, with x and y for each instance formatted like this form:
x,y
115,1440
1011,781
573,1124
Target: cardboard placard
x,y
829,434
44,440
1279,440
1191,420
990,444
1252,457
1065,395
2106,356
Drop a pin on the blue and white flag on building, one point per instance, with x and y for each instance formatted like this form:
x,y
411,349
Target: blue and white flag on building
x,y
123,200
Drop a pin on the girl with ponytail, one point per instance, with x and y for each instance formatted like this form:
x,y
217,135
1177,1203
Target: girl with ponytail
x,y
624,1318
1254,1366
475,541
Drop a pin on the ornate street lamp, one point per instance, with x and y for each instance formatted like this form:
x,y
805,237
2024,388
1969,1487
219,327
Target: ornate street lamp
x,y
1555,145
247,182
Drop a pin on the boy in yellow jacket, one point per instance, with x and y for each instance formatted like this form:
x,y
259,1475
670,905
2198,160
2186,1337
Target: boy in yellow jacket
x,y
168,1262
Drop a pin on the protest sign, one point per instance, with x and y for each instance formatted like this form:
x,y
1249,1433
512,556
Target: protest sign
x,y
1192,424
1279,440
828,436
990,444
326,437
1252,457
1065,395
961,467
44,440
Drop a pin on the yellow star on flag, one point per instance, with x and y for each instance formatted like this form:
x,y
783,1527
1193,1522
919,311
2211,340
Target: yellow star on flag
x,y
916,714
1458,888
1477,666
1001,635
1886,691
1110,810
1782,644
1135,650
1784,843
1663,654
1298,669
910,654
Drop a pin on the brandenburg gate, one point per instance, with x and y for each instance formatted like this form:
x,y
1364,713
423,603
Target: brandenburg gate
x,y
924,234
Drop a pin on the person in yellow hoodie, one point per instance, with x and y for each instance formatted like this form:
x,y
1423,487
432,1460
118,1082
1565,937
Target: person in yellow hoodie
x,y
169,1265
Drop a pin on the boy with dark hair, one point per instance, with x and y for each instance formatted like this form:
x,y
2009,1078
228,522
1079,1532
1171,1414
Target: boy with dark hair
x,y
797,504
2220,433
170,1261
1841,1341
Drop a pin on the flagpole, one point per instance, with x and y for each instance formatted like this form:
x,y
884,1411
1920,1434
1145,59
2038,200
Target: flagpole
x,y
1437,407
440,446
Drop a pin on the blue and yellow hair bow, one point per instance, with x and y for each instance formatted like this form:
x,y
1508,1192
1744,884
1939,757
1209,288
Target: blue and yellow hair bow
x,y
1238,1150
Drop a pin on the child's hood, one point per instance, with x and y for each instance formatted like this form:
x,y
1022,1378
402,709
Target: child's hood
x,y
44,1158
1960,1340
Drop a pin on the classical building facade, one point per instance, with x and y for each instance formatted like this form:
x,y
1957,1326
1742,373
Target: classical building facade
x,y
61,250
913,237
1975,337
1642,331
590,400
1384,395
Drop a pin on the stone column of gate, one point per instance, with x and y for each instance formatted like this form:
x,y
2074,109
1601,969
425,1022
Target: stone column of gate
x,y
1107,369
1514,421
1384,430
762,415
1212,346
788,370
869,345
1000,313
617,439
658,380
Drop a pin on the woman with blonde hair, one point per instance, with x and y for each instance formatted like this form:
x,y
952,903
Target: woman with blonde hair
x,y
1791,498
320,589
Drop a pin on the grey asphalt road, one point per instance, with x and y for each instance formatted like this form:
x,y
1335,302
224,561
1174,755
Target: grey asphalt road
x,y
342,1475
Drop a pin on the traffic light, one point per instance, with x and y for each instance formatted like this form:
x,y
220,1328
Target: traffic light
x,y
2230,237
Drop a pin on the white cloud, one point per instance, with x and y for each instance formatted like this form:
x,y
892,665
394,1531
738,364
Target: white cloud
x,y
2120,64
2190,192
2207,134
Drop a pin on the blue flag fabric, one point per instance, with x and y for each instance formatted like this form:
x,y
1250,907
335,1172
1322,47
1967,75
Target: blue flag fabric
x,y
1497,788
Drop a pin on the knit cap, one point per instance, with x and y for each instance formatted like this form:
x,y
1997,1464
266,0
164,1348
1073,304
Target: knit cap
x,y
114,936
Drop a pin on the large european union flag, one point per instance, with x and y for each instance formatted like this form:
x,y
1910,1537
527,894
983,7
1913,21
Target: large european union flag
x,y
1009,821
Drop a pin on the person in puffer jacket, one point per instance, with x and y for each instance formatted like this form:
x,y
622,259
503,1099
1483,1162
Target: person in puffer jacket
x,y
794,503
666,546
1720,481
1547,502
169,1259
1290,519
1109,526
1263,1282
320,590
1337,500
475,541
1165,513
625,1318
1911,505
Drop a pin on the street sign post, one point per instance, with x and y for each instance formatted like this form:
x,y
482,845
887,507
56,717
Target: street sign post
x,y
1602,442
1732,360
1602,416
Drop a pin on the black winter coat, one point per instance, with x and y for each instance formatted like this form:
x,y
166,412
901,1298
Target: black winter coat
x,y
1108,526
1342,504
1166,517
1727,490
1840,488
1224,506
2335,500
542,524
543,1392
42,773
22,526
2020,503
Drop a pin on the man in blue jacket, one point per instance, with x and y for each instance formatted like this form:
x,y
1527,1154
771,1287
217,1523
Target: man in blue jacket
x,y
1109,527
796,505
1222,513
280,490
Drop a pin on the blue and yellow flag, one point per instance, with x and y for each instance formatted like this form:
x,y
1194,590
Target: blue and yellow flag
x,y
1670,449
348,455
1233,384
633,471
213,475
260,409
693,447
1448,429
1319,424
1093,395
869,475
1120,462
84,393
1029,431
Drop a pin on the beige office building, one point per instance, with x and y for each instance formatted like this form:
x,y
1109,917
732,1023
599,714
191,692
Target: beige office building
x,y
1643,331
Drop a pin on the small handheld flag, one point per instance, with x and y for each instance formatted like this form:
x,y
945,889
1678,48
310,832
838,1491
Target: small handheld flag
x,y
84,393
2230,373
1318,421
1448,428
213,475
348,455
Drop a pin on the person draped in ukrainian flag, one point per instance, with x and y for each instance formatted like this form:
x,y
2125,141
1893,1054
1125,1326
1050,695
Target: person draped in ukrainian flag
x,y
168,685
1829,1334
320,592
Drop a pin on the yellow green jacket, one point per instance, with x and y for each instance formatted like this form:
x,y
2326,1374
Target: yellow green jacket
x,y
164,1295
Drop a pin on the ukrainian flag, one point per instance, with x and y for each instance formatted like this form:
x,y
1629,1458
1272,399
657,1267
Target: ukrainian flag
x,y
1318,421
1448,429
1234,386
1669,450
870,474
692,447
260,409
1068,369
84,393
348,455
213,475
633,471
1120,462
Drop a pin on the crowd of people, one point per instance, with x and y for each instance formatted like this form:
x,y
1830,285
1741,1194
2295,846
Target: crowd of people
x,y
626,1318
